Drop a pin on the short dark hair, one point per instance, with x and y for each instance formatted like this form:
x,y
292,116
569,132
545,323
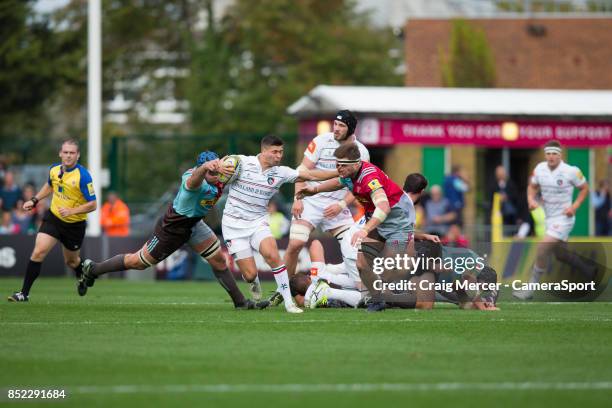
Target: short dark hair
x,y
272,140
488,275
415,183
71,141
553,143
348,151
299,283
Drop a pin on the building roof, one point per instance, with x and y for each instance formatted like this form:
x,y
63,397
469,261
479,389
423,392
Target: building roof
x,y
395,101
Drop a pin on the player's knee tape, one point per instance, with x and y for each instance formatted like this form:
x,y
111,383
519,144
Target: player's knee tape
x,y
339,235
143,260
299,232
211,250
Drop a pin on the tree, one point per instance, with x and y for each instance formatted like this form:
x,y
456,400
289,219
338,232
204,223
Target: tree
x,y
470,63
266,54
35,63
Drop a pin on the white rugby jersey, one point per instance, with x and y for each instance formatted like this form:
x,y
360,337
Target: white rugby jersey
x,y
251,191
321,152
557,186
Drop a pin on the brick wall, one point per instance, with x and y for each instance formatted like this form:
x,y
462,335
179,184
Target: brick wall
x,y
569,53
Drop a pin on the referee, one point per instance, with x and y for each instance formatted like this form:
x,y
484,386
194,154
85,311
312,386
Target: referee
x,y
72,198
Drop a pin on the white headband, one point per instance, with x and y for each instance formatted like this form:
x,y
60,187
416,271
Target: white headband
x,y
552,149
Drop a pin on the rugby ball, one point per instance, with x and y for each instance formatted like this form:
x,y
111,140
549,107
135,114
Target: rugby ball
x,y
233,162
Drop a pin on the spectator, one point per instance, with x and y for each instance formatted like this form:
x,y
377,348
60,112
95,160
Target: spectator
x,y
508,195
455,186
36,212
279,224
115,216
455,238
438,212
22,220
601,202
10,193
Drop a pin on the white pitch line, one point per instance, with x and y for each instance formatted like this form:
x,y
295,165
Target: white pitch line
x,y
300,321
355,387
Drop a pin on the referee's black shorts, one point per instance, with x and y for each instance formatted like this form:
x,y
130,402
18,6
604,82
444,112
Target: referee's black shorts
x,y
70,234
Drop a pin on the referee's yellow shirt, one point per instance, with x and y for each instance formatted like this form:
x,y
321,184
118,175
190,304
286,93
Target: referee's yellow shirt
x,y
71,188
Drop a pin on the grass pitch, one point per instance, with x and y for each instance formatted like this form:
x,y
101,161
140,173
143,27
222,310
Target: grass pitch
x,y
182,344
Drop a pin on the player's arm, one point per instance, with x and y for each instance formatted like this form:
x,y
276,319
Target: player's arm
x,y
316,175
584,191
194,182
532,191
44,192
298,206
330,185
381,201
81,209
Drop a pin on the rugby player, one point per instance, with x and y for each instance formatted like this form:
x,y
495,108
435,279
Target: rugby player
x,y
245,223
326,210
181,224
556,180
389,214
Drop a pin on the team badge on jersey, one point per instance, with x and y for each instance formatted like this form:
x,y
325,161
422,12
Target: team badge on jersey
x,y
559,182
374,185
270,180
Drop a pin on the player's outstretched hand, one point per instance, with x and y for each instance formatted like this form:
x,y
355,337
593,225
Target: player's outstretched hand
x,y
485,306
297,208
332,210
305,192
28,205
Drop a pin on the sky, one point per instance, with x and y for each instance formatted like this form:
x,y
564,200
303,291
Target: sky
x,y
46,6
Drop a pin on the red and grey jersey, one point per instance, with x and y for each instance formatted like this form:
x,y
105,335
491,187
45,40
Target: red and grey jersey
x,y
368,179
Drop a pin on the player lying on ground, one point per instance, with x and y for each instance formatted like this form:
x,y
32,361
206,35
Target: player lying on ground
x,y
482,297
328,284
245,220
389,211
181,224
326,210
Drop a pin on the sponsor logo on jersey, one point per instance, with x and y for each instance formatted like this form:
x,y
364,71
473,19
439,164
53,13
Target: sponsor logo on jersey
x,y
90,188
205,203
